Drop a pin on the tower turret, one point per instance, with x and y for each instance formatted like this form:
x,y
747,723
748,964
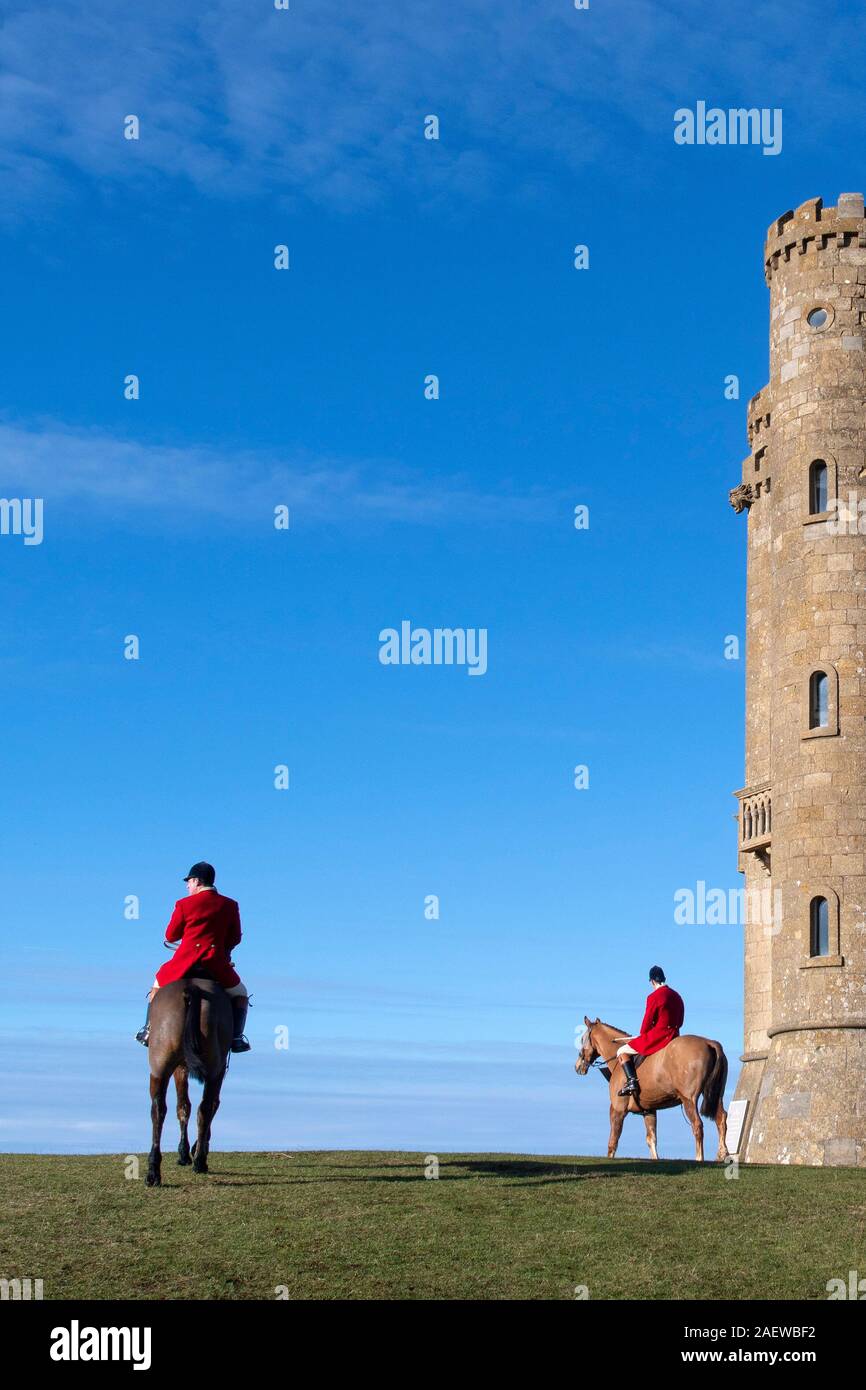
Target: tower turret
x,y
802,822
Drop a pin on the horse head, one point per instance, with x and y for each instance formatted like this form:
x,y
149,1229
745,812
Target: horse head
x,y
588,1049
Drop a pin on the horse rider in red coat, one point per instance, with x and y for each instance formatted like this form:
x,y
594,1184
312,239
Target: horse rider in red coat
x,y
662,1021
208,927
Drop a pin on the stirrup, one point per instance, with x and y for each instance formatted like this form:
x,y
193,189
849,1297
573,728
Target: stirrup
x,y
241,1044
143,1035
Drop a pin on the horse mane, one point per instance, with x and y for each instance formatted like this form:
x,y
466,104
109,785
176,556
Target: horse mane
x,y
621,1031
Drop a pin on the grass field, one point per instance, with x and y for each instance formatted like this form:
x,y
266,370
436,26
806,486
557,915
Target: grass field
x,y
370,1225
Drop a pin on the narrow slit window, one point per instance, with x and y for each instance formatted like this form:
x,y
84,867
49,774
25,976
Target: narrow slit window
x,y
819,927
817,487
819,700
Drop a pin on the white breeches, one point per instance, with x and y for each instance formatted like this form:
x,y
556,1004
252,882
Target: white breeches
x,y
626,1051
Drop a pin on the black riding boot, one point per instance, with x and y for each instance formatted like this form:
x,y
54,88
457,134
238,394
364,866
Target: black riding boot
x,y
240,1004
143,1034
630,1087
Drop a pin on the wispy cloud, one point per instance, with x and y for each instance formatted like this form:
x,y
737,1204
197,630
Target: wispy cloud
x,y
123,477
326,101
673,653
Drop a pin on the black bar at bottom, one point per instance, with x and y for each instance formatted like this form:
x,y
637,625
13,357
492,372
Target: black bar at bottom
x,y
158,1338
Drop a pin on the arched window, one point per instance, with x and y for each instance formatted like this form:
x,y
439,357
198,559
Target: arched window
x,y
817,487
819,700
819,927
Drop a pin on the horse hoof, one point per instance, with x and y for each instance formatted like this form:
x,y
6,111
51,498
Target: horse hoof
x,y
153,1180
200,1168
183,1160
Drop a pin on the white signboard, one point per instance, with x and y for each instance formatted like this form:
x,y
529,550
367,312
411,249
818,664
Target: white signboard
x,y
736,1119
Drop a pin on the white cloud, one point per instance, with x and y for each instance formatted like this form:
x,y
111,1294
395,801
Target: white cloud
x,y
131,479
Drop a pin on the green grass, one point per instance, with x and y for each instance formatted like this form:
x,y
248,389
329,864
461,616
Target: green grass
x,y
369,1225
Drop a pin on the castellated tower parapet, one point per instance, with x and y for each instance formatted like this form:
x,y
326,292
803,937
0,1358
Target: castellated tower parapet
x,y
802,820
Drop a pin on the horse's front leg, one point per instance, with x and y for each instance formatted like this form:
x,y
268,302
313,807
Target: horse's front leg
x,y
650,1122
696,1123
616,1121
158,1107
181,1081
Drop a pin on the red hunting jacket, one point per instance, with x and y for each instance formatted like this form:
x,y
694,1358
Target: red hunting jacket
x,y
664,1015
208,927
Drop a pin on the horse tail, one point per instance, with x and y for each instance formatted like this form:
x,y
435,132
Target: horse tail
x,y
192,1042
714,1085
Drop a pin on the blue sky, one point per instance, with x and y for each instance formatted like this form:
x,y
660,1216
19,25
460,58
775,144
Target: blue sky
x,y
306,387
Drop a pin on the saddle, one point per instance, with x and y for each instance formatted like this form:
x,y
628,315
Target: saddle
x,y
200,975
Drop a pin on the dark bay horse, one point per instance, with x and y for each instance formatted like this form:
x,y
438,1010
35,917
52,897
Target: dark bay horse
x,y
190,1035
689,1067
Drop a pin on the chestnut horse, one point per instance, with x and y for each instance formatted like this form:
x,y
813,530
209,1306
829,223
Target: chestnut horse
x,y
685,1069
191,1029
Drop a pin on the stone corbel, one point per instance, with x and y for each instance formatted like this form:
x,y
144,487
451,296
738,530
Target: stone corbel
x,y
741,497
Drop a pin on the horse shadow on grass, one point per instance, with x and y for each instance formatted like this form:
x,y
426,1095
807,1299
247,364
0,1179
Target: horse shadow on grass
x,y
544,1171
517,1170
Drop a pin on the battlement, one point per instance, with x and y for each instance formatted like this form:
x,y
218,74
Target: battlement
x,y
758,415
811,227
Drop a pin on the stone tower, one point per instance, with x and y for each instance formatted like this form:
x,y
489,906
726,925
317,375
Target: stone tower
x,y
802,814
